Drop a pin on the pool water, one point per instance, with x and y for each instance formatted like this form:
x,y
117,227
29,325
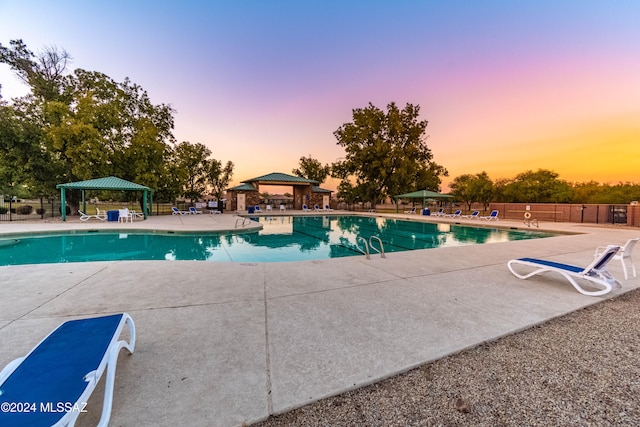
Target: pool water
x,y
283,238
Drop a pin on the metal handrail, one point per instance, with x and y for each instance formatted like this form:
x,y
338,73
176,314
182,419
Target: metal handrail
x,y
366,246
244,219
381,251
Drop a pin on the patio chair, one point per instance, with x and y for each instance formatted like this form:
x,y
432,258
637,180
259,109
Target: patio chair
x,y
124,215
268,208
439,213
623,255
194,211
64,369
492,216
456,214
411,211
257,209
283,208
305,208
317,208
327,208
595,273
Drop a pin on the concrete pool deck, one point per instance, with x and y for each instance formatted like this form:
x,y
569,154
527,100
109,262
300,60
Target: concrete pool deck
x,y
221,344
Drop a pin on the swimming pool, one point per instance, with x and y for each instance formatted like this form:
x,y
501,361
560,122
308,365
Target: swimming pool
x,y
283,238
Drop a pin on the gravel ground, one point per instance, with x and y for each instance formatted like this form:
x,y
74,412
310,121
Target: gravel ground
x,y
577,370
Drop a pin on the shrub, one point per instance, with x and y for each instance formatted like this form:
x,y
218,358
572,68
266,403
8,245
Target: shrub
x,y
24,210
41,211
3,211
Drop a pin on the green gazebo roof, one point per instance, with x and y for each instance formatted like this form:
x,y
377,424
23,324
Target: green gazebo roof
x,y
281,178
107,183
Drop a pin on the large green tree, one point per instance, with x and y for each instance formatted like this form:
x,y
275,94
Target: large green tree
x,y
219,177
83,125
470,188
541,186
311,168
193,168
386,152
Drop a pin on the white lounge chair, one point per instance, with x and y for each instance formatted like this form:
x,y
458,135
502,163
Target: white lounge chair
x,y
623,255
473,215
439,213
257,209
317,208
64,370
101,215
176,211
194,211
411,211
456,214
492,216
327,208
86,217
305,208
282,207
595,273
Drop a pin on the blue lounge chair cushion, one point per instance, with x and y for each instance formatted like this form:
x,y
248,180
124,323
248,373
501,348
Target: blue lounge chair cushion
x,y
559,265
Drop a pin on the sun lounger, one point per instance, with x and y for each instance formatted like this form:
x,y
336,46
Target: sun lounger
x,y
473,215
456,214
176,211
86,217
64,370
439,213
595,273
317,208
327,208
305,208
411,211
623,255
194,211
101,215
492,216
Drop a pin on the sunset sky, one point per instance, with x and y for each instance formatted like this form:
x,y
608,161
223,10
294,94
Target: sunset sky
x,y
507,86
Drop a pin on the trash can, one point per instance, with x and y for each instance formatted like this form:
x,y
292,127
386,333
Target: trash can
x,y
426,211
113,216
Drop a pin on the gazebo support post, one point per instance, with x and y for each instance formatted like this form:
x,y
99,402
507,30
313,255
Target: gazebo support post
x,y
63,204
144,204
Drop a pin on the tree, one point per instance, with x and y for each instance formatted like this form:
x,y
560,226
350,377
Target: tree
x,y
386,153
193,168
44,73
461,189
219,177
542,186
311,168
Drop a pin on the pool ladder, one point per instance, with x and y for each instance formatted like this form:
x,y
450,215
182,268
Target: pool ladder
x,y
369,244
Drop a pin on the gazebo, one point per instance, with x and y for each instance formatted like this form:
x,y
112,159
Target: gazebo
x,y
424,195
108,183
305,191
